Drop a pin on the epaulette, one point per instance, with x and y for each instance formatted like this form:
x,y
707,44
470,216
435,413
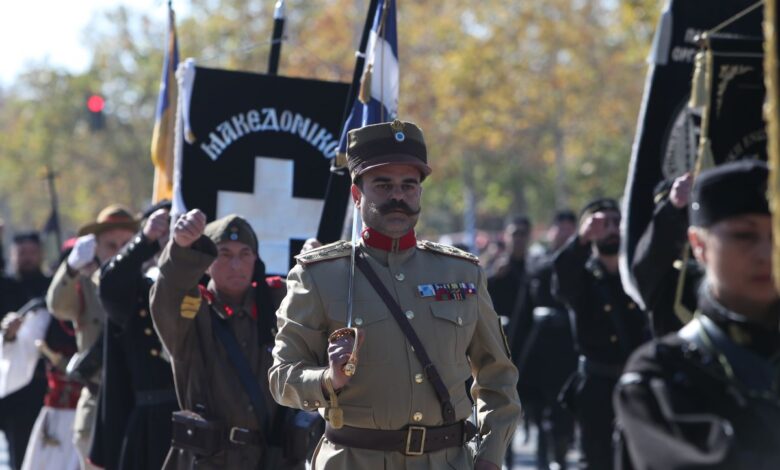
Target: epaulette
x,y
447,250
274,282
333,250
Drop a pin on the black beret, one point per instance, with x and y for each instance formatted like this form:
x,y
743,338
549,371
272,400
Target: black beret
x,y
22,237
599,205
163,204
232,228
386,143
729,190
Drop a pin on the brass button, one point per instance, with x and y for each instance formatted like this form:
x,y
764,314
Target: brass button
x,y
613,339
358,321
305,402
317,403
409,314
460,320
400,276
417,416
154,352
631,305
607,308
143,312
148,331
418,378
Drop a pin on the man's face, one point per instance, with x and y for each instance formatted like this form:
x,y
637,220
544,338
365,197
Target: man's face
x,y
389,200
737,255
560,232
110,242
609,243
232,270
26,257
516,237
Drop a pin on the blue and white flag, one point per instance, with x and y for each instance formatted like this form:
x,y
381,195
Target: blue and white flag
x,y
378,98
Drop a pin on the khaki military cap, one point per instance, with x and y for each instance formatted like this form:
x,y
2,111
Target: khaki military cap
x,y
232,228
388,143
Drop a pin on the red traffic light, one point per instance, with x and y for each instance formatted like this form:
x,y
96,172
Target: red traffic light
x,y
95,103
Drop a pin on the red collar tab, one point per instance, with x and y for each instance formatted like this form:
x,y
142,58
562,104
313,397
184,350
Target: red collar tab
x,y
375,239
226,309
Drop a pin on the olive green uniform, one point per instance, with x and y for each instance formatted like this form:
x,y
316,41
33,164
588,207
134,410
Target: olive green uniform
x,y
389,391
203,374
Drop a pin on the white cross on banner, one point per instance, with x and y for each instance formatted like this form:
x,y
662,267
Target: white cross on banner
x,y
260,147
273,212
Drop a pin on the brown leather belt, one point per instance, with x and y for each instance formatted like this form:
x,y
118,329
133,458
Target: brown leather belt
x,y
414,440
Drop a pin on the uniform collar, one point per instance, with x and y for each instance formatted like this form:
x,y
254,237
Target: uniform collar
x,y
738,328
374,239
224,310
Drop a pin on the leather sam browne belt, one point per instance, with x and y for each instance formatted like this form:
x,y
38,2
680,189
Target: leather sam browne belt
x,y
414,440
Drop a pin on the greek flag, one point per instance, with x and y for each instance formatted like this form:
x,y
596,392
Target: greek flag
x,y
378,98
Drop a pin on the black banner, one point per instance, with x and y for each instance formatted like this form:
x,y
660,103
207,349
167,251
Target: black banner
x,y
666,141
736,127
260,146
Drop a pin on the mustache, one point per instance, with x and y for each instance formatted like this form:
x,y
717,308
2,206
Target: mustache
x,y
397,206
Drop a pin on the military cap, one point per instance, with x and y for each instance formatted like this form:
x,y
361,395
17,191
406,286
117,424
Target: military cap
x,y
387,143
115,216
31,236
599,205
729,190
232,228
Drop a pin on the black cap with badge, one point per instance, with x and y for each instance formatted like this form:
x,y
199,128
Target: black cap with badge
x,y
729,190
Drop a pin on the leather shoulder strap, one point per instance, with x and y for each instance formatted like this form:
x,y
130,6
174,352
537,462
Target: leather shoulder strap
x,y
447,410
240,363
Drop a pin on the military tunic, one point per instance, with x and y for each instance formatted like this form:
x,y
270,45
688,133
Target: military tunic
x,y
390,391
698,398
138,395
608,327
202,371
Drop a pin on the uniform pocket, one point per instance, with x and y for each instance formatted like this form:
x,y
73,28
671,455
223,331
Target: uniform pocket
x,y
372,318
456,321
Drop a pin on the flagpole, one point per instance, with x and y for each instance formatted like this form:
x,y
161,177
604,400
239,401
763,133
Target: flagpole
x,y
276,38
337,193
50,175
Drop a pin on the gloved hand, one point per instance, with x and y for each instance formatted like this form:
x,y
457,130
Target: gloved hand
x,y
83,252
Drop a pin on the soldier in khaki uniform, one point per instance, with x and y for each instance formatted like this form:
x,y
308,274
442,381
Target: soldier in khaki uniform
x,y
208,384
392,417
73,296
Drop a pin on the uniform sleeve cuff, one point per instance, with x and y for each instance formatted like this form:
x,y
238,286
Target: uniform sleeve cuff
x,y
313,382
491,450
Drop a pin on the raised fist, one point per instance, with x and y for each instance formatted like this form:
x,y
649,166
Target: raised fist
x,y
157,225
189,228
594,227
83,252
681,191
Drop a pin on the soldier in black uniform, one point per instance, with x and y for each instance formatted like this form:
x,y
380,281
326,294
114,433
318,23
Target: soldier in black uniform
x,y
508,288
608,324
707,396
138,396
26,259
545,350
657,259
19,409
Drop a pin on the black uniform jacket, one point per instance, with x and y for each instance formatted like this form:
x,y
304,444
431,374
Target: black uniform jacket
x,y
698,399
608,324
654,270
133,429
